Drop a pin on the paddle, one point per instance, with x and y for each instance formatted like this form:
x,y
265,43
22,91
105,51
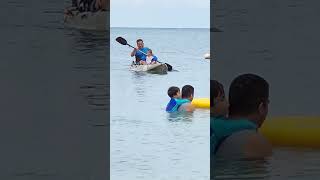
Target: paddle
x,y
122,41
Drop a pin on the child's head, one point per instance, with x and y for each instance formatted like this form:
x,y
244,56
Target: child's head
x,y
174,92
149,53
219,104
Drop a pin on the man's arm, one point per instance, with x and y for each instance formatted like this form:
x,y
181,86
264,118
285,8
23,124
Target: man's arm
x,y
133,53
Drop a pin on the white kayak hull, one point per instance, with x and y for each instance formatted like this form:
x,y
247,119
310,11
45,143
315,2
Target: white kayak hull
x,y
153,68
87,20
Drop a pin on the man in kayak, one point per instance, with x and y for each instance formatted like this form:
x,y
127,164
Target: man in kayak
x,y
175,99
140,52
187,94
236,136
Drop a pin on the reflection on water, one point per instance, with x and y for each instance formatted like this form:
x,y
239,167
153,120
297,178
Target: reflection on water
x,y
285,163
180,116
239,169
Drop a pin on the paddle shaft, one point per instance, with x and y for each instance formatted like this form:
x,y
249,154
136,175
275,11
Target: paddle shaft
x,y
137,49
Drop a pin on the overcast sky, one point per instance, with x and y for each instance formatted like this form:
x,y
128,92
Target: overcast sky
x,y
160,13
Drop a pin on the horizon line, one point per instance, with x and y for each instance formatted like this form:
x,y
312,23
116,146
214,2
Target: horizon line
x,y
162,27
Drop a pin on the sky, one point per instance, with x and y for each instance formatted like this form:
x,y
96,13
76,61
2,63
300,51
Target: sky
x,y
160,13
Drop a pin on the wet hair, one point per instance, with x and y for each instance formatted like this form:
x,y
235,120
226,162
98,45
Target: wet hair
x,y
172,91
138,40
246,92
187,91
216,89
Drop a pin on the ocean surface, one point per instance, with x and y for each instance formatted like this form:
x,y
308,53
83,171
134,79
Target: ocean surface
x,y
146,142
54,95
279,41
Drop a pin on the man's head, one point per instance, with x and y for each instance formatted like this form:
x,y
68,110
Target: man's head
x,y
174,92
187,92
140,43
249,97
218,101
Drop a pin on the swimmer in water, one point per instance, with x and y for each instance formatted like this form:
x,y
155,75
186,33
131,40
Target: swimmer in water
x,y
187,95
175,99
237,136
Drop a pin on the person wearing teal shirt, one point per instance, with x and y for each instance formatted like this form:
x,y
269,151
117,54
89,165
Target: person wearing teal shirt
x,y
248,108
187,94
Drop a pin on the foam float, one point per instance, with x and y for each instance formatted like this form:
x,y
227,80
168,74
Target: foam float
x,y
300,131
201,102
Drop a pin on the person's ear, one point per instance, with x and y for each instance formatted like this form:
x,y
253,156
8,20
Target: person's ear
x,y
263,108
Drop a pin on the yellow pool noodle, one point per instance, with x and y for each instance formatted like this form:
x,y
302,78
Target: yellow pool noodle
x,y
201,102
300,131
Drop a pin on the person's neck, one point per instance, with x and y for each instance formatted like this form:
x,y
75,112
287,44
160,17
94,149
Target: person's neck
x,y
251,117
187,98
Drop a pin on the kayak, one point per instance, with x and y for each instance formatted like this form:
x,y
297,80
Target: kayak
x,y
86,20
159,68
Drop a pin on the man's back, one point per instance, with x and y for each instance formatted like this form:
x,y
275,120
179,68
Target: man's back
x,y
237,139
244,144
186,107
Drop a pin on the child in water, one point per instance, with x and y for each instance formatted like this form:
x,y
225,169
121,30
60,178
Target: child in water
x,y
151,59
219,104
175,101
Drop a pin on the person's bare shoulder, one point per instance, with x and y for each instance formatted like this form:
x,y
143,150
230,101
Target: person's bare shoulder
x,y
257,146
188,107
245,144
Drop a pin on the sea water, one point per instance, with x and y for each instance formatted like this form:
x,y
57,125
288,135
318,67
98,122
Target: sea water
x,y
146,141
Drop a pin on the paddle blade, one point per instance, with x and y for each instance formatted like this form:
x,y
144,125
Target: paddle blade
x,y
121,40
169,67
